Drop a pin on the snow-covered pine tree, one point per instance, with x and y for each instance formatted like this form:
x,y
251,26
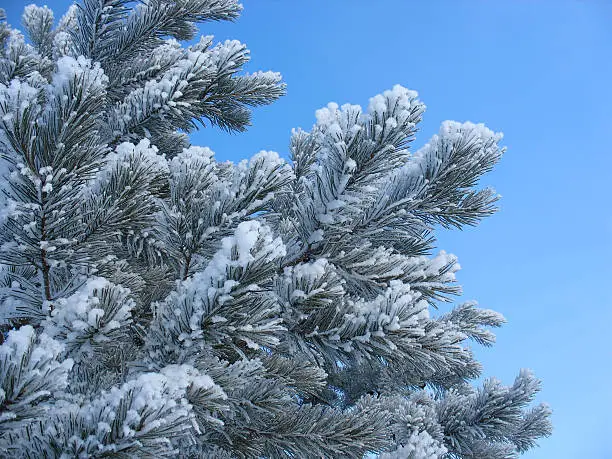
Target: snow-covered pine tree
x,y
158,303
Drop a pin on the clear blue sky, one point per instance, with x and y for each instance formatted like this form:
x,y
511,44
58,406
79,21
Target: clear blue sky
x,y
541,72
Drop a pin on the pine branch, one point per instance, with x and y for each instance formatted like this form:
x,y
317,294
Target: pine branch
x,y
155,302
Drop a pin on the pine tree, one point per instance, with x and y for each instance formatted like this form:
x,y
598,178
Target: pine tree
x,y
158,303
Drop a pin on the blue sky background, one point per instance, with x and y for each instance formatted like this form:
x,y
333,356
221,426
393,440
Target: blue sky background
x,y
541,72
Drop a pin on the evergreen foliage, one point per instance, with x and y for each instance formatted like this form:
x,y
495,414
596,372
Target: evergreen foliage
x,y
158,303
